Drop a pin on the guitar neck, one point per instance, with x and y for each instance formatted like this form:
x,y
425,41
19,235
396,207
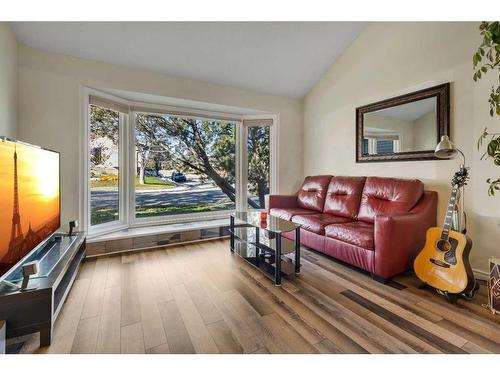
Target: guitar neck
x,y
449,213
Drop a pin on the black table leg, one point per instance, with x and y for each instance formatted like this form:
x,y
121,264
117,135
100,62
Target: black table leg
x,y
297,250
2,337
45,337
257,246
231,227
277,271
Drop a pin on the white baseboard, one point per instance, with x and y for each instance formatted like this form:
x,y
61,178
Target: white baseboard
x,y
480,275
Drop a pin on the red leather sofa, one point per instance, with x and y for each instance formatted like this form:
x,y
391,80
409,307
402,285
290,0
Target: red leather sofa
x,y
374,223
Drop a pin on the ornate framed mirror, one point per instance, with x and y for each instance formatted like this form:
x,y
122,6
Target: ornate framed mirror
x,y
406,127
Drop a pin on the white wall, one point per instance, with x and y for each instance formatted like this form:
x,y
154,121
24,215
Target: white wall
x,y
50,113
424,132
389,59
8,81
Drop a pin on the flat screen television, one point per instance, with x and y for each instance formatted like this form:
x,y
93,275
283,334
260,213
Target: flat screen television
x,y
29,199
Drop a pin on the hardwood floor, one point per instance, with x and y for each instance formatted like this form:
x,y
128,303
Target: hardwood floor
x,y
200,298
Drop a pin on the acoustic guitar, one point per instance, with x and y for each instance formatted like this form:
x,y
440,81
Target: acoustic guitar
x,y
443,263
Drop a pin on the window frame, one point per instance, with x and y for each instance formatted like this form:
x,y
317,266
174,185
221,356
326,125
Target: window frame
x,y
372,144
127,162
273,178
85,201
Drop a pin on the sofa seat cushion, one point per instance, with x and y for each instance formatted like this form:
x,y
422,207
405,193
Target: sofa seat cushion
x,y
356,233
316,223
288,213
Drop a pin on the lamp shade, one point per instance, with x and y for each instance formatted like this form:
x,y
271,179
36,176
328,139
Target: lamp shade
x,y
445,149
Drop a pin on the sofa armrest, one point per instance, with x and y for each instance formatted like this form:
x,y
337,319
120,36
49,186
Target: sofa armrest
x,y
399,238
281,201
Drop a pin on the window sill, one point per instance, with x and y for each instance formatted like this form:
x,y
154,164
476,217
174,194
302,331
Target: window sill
x,y
142,238
159,229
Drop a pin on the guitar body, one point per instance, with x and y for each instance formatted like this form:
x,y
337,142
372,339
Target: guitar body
x,y
444,264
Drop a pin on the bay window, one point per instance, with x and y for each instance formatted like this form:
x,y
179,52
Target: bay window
x,y
155,164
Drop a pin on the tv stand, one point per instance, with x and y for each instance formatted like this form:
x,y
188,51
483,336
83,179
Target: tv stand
x,y
37,308
2,337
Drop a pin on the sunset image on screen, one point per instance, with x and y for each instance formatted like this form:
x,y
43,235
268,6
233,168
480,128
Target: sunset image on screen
x,y
29,199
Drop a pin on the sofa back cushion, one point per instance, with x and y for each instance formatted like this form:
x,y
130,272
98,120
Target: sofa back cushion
x,y
313,192
382,196
344,196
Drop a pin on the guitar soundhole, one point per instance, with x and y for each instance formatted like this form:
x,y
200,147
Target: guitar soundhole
x,y
443,245
448,248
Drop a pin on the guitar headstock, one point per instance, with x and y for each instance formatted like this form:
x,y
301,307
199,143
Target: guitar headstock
x,y
460,178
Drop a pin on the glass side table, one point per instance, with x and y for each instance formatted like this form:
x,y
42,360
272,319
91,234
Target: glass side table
x,y
261,243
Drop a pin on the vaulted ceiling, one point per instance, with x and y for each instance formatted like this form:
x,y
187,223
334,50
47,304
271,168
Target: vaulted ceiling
x,y
281,58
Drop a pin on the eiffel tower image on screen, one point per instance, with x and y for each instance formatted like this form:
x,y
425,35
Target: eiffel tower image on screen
x,y
20,242
16,233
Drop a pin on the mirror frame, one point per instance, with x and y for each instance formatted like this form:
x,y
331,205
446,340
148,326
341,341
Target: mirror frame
x,y
441,92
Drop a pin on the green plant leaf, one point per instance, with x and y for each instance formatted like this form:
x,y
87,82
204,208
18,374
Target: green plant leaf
x,y
481,137
492,146
490,50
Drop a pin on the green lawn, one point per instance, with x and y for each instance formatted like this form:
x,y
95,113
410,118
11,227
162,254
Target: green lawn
x,y
153,183
150,183
149,211
104,215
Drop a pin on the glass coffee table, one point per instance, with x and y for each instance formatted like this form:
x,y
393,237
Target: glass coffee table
x,y
261,243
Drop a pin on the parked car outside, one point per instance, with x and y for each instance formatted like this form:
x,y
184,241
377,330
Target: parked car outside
x,y
178,176
150,172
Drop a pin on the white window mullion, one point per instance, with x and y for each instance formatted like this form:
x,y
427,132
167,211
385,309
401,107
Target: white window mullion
x,y
124,188
395,145
131,167
242,155
372,146
274,140
84,167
